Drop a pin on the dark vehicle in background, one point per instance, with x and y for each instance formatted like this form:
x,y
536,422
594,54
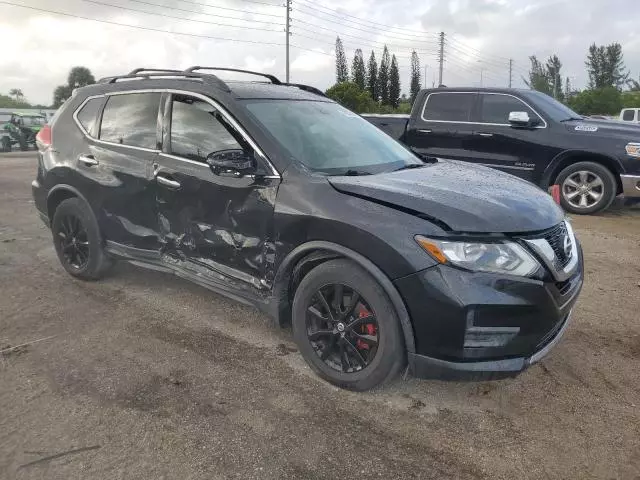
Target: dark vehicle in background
x,y
276,196
528,134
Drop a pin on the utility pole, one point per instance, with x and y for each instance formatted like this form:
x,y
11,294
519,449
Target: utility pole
x,y
481,72
425,76
441,57
287,33
510,71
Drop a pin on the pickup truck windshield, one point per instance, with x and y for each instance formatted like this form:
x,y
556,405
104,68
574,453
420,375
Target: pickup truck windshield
x,y
330,139
556,110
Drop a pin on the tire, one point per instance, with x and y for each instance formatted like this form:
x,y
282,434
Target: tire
x,y
374,311
596,180
84,257
6,145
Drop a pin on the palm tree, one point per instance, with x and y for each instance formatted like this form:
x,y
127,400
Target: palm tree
x,y
17,93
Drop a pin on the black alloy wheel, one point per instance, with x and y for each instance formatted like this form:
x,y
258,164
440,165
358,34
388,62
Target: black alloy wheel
x,y
74,241
342,328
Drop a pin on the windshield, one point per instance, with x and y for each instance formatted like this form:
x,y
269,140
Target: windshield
x,y
556,110
33,120
328,138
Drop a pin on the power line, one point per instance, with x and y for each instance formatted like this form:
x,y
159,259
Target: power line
x,y
203,13
231,9
341,34
368,29
179,18
263,3
108,22
342,15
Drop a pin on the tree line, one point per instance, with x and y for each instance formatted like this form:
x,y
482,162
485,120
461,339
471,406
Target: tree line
x,y
77,77
610,86
371,87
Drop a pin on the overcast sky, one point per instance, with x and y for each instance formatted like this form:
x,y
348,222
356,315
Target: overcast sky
x,y
39,48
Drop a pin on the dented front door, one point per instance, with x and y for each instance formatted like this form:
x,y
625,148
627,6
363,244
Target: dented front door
x,y
217,226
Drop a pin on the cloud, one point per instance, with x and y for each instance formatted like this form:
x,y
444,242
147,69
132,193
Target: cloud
x,y
42,47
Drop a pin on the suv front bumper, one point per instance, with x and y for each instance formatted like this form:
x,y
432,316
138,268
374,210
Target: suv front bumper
x,y
630,185
481,326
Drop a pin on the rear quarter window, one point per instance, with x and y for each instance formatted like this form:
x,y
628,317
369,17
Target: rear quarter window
x,y
448,107
88,115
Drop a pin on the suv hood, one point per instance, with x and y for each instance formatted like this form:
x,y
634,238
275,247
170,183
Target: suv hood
x,y
467,198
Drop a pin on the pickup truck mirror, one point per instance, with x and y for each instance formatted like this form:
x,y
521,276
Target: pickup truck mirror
x,y
232,163
519,119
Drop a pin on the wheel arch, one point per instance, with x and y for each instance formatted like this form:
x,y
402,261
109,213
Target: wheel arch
x,y
566,158
305,257
60,193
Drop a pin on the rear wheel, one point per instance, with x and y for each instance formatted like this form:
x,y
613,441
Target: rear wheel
x,y
346,327
77,240
586,187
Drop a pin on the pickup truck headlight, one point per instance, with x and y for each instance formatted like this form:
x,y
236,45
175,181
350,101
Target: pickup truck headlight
x,y
633,149
495,257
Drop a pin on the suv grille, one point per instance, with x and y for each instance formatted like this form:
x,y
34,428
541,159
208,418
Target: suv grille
x,y
555,237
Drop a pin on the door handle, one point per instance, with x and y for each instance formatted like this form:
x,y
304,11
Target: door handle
x,y
167,182
88,160
482,134
424,130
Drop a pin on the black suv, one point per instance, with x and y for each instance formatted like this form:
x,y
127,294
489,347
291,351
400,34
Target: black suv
x,y
274,195
528,134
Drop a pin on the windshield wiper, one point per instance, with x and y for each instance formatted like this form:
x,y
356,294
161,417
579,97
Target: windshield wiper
x,y
410,166
572,118
355,173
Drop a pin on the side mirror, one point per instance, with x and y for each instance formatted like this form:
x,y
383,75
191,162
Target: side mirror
x,y
522,119
232,163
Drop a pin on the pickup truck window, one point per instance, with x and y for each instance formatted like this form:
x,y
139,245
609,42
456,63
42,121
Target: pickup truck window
x,y
328,138
448,107
496,108
629,115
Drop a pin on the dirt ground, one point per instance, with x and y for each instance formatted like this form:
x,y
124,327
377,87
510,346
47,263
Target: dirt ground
x,y
149,377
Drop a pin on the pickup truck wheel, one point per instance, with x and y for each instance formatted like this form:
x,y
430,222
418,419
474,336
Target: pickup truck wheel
x,y
586,187
345,326
77,240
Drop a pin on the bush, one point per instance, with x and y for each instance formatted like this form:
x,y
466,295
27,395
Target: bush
x,y
601,101
349,95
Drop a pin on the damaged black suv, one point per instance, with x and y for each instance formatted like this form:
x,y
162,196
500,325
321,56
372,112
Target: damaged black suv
x,y
275,195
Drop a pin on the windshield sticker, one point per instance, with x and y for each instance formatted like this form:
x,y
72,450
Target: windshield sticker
x,y
586,128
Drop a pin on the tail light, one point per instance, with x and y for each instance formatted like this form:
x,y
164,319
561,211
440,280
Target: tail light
x,y
44,138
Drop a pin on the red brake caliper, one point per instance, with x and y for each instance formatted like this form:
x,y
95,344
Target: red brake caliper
x,y
365,328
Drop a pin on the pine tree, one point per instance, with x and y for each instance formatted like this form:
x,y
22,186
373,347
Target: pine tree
x,y
415,86
372,77
383,77
358,71
605,66
394,83
539,78
342,70
554,65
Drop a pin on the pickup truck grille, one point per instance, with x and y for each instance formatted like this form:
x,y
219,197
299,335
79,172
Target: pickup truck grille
x,y
555,238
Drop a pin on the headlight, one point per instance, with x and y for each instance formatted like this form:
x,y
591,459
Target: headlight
x,y
633,149
498,257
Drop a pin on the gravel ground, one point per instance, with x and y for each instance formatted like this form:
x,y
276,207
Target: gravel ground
x,y
148,376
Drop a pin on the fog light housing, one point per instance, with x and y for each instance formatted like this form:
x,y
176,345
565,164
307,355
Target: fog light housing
x,y
489,337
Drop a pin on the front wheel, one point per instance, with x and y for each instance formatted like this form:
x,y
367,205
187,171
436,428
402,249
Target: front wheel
x,y
346,327
586,187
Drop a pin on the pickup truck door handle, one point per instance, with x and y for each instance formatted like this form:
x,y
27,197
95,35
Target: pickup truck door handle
x,y
424,130
483,134
167,182
88,160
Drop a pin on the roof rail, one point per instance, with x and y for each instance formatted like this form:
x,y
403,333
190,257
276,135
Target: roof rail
x,y
272,78
212,79
306,88
138,70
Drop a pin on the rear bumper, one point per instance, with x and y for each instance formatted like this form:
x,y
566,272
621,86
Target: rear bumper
x,y
428,367
630,185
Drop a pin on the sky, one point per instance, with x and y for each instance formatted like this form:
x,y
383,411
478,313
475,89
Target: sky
x,y
481,36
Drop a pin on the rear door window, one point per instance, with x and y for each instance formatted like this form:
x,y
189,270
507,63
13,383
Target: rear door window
x,y
449,107
198,130
495,108
629,115
131,119
88,115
